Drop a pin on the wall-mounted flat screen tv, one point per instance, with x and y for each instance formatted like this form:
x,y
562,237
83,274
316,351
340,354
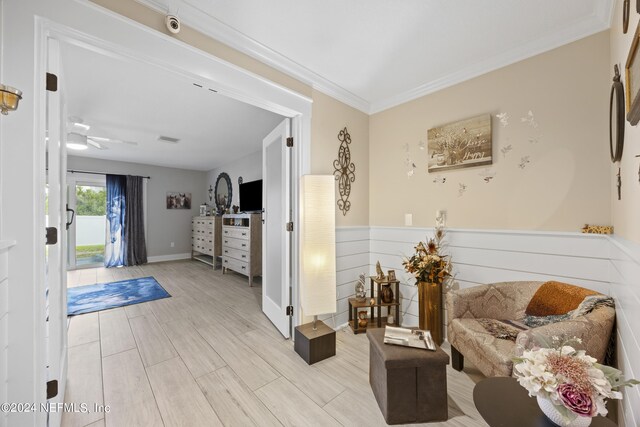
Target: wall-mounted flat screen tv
x,y
251,196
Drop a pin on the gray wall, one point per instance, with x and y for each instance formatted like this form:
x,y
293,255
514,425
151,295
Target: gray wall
x,y
163,225
248,167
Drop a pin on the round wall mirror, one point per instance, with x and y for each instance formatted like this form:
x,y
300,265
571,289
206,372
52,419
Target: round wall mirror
x,y
616,117
223,192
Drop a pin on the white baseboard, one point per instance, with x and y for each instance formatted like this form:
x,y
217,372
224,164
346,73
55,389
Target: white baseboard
x,y
172,257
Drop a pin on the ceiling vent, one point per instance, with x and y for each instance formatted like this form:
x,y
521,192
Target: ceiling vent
x,y
168,139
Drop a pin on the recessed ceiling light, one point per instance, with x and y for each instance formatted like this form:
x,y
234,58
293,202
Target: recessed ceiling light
x,y
76,142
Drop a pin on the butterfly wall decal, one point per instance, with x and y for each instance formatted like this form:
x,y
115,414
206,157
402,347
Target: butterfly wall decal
x,y
439,179
505,150
504,119
524,161
529,119
487,175
462,188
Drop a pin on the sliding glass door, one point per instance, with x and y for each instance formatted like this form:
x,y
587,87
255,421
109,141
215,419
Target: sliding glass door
x,y
87,232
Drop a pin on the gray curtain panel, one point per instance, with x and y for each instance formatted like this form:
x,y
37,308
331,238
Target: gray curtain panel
x,y
135,245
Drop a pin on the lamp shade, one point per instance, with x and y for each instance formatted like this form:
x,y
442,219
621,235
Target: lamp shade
x,y
318,245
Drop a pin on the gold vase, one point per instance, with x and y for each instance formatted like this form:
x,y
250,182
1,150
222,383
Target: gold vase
x,y
430,309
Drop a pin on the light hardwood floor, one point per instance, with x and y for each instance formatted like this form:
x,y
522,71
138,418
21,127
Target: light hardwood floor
x,y
207,356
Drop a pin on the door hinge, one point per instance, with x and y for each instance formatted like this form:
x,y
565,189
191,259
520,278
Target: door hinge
x,y
52,389
289,226
290,142
52,82
289,310
52,235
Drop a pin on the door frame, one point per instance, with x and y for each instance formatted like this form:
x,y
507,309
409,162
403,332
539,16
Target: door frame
x,y
105,32
86,24
73,180
108,33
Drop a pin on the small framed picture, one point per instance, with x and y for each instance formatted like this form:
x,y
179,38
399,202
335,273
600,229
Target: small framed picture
x,y
392,275
203,210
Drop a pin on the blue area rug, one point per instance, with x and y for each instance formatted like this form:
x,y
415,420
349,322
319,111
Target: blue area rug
x,y
103,296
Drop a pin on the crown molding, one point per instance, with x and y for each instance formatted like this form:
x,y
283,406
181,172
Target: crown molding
x,y
208,25
599,21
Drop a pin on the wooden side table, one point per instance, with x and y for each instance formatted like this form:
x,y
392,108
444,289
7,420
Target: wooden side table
x,y
395,304
376,320
503,402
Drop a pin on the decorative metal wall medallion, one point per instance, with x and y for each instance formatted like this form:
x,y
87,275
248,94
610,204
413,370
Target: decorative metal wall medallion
x,y
344,171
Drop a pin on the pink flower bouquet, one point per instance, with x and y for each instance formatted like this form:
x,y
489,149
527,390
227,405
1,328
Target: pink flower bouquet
x,y
574,382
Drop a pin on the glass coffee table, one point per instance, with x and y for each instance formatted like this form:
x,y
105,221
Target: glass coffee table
x,y
503,402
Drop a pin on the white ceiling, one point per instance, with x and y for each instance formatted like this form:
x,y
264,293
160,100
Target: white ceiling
x,y
374,54
132,101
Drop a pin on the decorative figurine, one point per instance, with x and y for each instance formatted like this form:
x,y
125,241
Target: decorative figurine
x,y
391,276
361,291
362,319
379,273
235,209
386,294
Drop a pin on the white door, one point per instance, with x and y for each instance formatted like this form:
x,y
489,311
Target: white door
x,y
55,256
276,240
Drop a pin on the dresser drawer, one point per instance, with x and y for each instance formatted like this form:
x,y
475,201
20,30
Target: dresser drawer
x,y
235,243
201,231
236,233
235,265
207,242
198,222
238,254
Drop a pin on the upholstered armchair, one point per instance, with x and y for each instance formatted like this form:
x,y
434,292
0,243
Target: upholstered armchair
x,y
486,323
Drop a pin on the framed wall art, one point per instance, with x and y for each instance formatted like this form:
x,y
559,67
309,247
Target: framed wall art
x,y
632,77
176,200
461,144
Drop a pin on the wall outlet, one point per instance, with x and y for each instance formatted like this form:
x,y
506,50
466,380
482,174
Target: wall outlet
x,y
173,244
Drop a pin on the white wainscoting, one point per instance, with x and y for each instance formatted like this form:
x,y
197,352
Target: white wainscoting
x,y
625,288
352,258
5,246
485,256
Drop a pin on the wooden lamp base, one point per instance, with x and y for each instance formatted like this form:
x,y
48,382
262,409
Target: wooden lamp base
x,y
315,345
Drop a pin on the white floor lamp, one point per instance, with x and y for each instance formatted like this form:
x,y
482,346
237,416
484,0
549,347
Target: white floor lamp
x,y
316,341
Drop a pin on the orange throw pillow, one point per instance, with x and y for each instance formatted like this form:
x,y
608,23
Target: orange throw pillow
x,y
553,298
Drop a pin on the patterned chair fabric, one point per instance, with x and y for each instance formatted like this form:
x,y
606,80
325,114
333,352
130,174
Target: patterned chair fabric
x,y
508,301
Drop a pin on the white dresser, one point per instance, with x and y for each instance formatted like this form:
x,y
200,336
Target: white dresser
x,y
206,239
242,244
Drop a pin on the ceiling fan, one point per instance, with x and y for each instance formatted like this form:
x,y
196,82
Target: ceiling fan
x,y
79,138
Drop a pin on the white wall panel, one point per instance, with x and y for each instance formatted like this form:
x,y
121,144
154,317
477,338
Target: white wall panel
x,y
352,258
485,256
4,324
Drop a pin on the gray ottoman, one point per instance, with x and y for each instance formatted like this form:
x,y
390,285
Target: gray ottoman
x,y
409,384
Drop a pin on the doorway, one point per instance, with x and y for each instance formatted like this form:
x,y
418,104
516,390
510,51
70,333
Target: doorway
x,y
87,198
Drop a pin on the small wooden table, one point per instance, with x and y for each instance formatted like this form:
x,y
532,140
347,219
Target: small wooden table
x,y
503,402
